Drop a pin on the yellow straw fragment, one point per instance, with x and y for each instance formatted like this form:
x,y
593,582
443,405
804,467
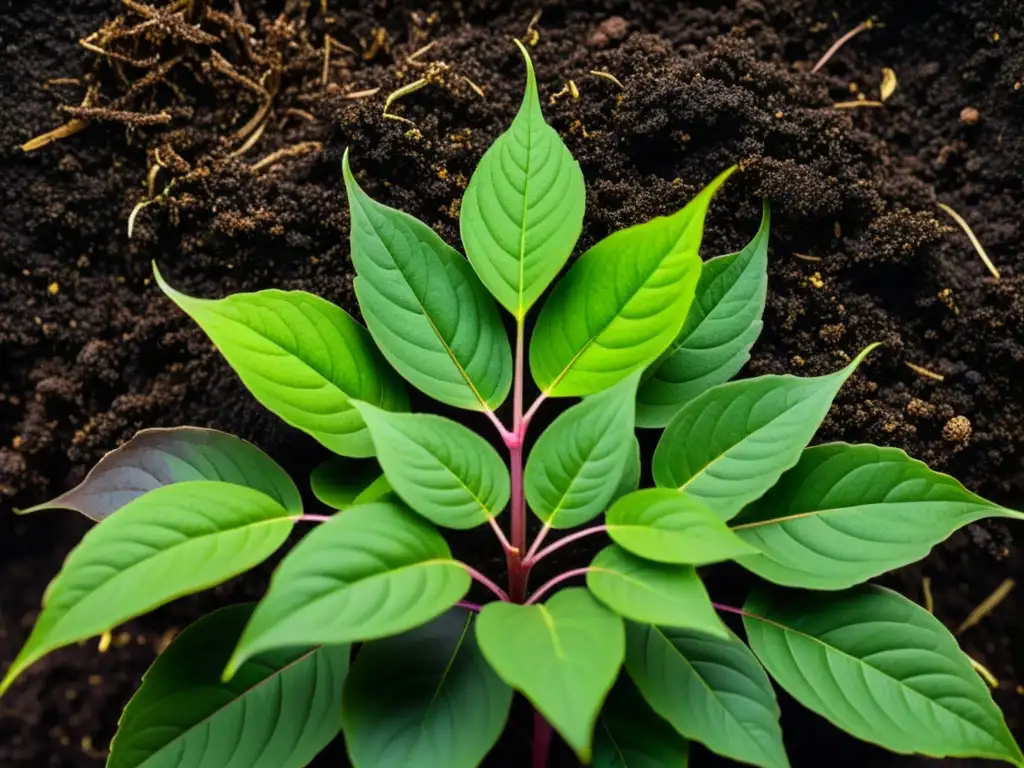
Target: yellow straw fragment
x,y
982,670
105,640
926,588
607,76
972,237
924,371
987,606
888,83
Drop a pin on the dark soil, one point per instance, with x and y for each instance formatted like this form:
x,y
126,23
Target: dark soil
x,y
90,351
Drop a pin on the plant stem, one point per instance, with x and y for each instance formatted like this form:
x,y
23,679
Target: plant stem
x,y
477,576
517,574
474,607
532,559
542,735
312,518
536,596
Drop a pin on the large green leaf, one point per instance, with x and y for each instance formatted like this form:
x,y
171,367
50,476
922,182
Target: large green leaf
x,y
731,444
372,571
523,208
652,593
426,308
710,689
630,735
630,479
171,542
341,482
671,527
157,457
425,698
621,304
846,513
302,357
443,470
563,656
722,326
880,667
279,711
579,461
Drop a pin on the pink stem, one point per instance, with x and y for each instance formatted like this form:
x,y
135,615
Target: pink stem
x,y
505,434
474,607
534,408
839,44
533,559
517,575
500,534
542,735
555,582
502,595
312,518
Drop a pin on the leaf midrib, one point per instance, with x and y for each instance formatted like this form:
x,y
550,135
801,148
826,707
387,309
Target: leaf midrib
x,y
861,508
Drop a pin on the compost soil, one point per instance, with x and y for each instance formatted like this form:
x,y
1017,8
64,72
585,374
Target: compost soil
x,y
90,351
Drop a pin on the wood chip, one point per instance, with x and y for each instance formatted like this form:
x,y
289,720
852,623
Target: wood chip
x,y
888,83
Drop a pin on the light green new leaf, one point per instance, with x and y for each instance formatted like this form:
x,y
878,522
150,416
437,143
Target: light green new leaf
x,y
443,470
563,656
710,689
881,668
630,735
722,326
342,483
157,457
639,590
171,542
846,513
671,527
425,698
731,444
302,358
621,304
426,308
279,711
372,571
523,209
579,461
630,479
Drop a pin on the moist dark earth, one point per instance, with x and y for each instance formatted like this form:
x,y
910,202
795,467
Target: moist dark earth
x,y
90,351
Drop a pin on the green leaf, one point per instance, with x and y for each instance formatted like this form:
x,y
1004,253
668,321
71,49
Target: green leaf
x,y
621,304
279,711
630,479
630,735
373,571
302,358
846,513
879,667
426,308
425,698
722,326
443,470
671,527
731,444
652,593
710,689
341,482
157,457
523,208
173,541
579,461
563,656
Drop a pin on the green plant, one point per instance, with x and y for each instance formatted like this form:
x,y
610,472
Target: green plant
x,y
628,669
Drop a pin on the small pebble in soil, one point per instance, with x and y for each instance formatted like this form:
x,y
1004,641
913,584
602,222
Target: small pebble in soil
x,y
612,30
969,116
957,430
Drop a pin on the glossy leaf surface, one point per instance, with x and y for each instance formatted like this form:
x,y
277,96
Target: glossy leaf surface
x,y
279,711
669,595
731,444
621,304
563,656
342,483
173,541
372,571
710,689
881,668
157,457
721,327
425,698
426,308
523,208
302,358
441,469
578,462
846,513
630,735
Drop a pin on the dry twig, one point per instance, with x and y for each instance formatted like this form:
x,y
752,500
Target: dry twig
x,y
973,238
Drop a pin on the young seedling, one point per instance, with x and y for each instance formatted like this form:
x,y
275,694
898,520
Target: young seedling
x,y
635,663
